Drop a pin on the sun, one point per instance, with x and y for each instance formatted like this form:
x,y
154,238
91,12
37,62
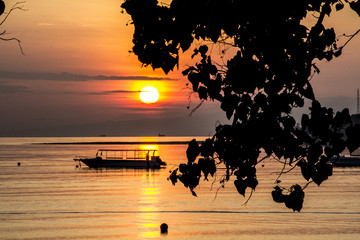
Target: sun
x,y
149,95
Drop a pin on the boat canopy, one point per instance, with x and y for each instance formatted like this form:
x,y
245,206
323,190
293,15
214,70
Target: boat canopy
x,y
125,154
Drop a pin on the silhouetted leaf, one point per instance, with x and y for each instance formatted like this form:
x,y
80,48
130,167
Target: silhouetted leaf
x,y
252,182
277,195
173,177
2,7
202,91
183,168
339,6
193,193
355,5
295,199
326,9
353,139
203,50
305,121
192,151
338,52
240,186
207,149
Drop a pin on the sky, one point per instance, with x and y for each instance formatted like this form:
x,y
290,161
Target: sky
x,y
77,77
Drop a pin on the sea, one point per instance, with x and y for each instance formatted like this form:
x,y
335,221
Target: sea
x,y
44,194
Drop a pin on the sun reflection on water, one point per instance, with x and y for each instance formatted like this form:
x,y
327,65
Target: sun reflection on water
x,y
149,147
148,210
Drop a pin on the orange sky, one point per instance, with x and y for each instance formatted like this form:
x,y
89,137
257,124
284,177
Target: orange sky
x,y
90,38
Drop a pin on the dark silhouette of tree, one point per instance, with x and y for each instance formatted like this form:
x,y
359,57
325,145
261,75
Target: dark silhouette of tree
x,y
16,6
266,78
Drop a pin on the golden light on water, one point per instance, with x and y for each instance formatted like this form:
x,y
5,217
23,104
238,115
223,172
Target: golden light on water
x,y
148,212
149,147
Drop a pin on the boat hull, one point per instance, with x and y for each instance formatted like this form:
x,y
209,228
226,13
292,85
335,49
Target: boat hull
x,y
346,161
138,164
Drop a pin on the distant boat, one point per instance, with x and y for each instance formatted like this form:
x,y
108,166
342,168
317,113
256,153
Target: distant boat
x,y
346,160
110,158
161,135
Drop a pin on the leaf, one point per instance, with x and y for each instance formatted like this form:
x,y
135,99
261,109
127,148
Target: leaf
x,y
306,170
338,52
355,5
183,168
173,177
308,92
339,6
207,149
203,50
196,51
252,182
305,121
240,186
188,70
277,195
326,9
204,166
2,7
295,199
202,91
194,79
193,193
192,151
353,137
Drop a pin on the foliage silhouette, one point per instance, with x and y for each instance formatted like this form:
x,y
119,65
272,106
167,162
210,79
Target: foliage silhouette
x,y
266,78
16,6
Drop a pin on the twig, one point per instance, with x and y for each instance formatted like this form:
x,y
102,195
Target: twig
x,y
352,36
282,171
14,39
262,159
246,202
196,108
12,9
222,186
307,184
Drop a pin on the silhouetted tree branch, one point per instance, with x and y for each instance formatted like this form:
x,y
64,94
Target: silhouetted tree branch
x,y
16,6
266,78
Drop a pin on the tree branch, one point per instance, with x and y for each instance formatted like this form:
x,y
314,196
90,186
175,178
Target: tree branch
x,y
14,39
352,36
15,7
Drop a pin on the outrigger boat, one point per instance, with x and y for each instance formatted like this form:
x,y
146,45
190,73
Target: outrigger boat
x,y
346,161
110,158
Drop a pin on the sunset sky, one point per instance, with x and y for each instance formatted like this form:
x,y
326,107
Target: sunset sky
x,y
78,78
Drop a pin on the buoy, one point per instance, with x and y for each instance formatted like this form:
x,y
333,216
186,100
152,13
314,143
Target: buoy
x,y
19,163
164,228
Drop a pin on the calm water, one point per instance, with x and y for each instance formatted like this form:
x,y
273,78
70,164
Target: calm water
x,y
47,197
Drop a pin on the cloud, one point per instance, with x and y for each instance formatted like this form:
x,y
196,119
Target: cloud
x,y
73,77
45,24
10,89
112,92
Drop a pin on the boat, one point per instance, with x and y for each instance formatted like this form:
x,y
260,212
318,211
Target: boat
x,y
346,160
115,158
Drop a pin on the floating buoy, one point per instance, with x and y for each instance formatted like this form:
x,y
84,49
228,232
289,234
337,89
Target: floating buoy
x,y
164,228
19,163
